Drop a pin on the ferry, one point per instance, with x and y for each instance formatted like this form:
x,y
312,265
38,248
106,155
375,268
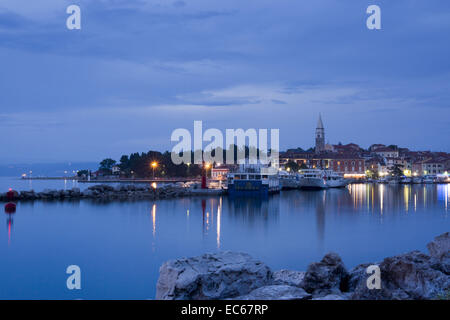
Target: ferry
x,y
321,179
288,180
251,181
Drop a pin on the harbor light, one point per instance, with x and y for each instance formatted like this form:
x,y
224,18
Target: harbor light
x,y
154,164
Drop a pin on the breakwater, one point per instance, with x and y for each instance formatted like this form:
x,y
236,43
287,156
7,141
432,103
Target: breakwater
x,y
109,193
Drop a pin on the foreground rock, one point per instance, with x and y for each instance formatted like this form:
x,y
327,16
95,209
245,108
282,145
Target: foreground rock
x,y
276,292
406,276
289,277
238,276
328,276
211,276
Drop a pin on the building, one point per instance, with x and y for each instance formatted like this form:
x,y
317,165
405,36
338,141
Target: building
x,y
434,166
320,136
346,148
115,170
347,164
387,152
219,173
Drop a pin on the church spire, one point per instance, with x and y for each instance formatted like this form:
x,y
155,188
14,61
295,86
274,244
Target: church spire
x,y
319,122
320,136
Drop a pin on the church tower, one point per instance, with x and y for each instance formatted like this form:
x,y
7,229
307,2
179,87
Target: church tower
x,y
320,136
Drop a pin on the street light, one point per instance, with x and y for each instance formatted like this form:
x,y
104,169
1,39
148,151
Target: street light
x,y
154,164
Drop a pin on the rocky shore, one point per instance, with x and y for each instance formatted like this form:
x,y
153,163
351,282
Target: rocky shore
x,y
238,276
108,193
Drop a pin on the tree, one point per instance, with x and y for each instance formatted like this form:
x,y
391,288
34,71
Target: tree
x,y
106,165
396,170
82,172
372,174
292,166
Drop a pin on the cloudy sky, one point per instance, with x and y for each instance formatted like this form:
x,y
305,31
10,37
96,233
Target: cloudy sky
x,y
138,69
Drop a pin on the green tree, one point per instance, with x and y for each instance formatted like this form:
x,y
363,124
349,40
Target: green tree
x,y
396,170
292,166
106,165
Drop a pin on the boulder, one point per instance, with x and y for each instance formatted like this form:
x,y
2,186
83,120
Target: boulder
x,y
328,276
288,277
406,276
332,297
440,253
276,292
440,246
211,276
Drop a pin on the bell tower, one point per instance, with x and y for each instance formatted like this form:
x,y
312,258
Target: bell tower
x,y
320,136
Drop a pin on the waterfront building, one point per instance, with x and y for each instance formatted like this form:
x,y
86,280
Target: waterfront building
x,y
434,166
219,172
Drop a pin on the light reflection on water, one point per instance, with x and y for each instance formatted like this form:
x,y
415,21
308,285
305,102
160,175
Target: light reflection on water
x,y
121,245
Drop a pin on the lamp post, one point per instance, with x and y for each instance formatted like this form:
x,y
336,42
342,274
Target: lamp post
x,y
154,164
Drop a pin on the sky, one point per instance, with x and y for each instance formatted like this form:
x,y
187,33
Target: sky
x,y
139,69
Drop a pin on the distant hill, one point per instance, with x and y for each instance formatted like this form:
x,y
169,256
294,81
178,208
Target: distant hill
x,y
46,169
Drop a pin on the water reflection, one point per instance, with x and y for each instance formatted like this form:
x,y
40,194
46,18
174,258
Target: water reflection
x,y
362,223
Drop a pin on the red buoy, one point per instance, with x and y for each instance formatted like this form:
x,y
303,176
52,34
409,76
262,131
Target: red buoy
x,y
10,207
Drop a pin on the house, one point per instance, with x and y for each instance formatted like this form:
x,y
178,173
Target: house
x,y
219,172
387,152
115,170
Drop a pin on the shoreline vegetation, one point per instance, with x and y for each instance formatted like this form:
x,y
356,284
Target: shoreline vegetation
x,y
238,276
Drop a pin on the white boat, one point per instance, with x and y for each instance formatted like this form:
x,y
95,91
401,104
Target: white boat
x,y
417,180
288,180
335,180
428,179
406,180
394,181
312,179
321,179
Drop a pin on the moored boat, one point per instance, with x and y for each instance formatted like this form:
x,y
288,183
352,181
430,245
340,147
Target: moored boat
x,y
252,181
288,180
321,179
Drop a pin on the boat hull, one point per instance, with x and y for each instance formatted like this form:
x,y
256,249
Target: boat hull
x,y
248,188
312,183
337,183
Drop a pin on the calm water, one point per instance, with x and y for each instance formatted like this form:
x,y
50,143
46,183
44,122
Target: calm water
x,y
120,246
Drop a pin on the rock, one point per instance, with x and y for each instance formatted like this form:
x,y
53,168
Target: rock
x,y
211,276
332,297
76,191
288,277
328,276
440,253
440,246
276,292
406,276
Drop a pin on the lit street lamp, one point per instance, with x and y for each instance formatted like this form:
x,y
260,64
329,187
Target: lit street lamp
x,y
154,164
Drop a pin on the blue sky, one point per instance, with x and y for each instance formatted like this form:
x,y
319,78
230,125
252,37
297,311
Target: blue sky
x,y
139,69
